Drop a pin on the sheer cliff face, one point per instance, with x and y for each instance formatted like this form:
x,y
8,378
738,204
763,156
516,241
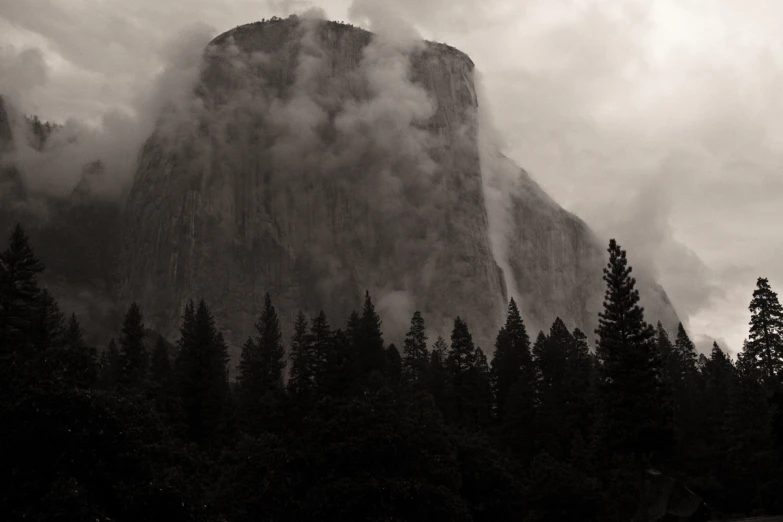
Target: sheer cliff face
x,y
316,161
555,262
322,161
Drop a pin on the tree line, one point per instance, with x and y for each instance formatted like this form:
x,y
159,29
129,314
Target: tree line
x,y
359,429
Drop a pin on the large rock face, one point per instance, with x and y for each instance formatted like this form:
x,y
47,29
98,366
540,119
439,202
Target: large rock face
x,y
322,161
316,161
556,263
368,197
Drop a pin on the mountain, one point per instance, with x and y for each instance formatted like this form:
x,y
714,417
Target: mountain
x,y
315,161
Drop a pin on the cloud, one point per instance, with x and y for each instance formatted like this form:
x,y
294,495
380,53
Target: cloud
x,y
23,71
600,101
115,141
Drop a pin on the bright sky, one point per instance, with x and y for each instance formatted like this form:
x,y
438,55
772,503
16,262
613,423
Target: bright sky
x,y
658,122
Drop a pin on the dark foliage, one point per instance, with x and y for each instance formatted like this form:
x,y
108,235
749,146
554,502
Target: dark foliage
x,y
363,432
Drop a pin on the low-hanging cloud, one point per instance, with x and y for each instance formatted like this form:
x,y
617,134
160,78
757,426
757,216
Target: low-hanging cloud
x,y
58,166
593,99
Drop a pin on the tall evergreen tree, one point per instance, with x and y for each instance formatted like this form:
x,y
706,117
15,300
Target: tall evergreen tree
x,y
635,412
512,362
202,375
80,363
133,353
260,381
19,270
110,366
552,418
371,355
301,381
765,346
321,340
48,324
436,375
483,397
415,354
393,365
462,383
161,373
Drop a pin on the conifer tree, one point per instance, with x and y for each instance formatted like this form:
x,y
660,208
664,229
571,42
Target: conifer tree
x,y
436,375
261,365
80,362
19,270
460,365
161,373
635,413
416,356
483,397
685,350
749,450
512,362
110,366
301,381
321,340
551,355
765,345
371,356
393,365
688,414
202,375
133,354
48,324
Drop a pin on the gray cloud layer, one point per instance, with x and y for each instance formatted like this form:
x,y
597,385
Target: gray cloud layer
x,y
657,122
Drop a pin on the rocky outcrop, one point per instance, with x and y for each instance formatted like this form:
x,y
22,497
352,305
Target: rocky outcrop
x,y
556,262
236,209
319,161
316,161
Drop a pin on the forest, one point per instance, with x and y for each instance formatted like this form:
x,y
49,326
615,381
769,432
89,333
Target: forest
x,y
337,424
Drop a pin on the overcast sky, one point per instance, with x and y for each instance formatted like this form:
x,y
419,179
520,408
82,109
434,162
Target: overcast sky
x,y
657,121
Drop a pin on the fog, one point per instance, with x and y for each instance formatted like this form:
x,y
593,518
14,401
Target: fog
x,y
658,123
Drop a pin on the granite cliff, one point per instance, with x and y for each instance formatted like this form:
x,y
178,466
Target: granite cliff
x,y
322,161
315,161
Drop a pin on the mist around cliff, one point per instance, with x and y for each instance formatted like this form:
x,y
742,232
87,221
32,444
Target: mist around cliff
x,y
114,140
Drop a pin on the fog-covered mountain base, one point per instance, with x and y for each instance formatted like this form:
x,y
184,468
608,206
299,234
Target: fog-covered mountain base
x,y
315,161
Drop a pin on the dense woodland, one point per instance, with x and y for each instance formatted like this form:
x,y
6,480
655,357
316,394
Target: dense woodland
x,y
336,424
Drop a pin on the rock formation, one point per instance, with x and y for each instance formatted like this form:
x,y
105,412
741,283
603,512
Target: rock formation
x,y
323,161
315,161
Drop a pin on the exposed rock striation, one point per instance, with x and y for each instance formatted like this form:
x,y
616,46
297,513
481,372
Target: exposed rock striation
x,y
319,160
363,195
315,161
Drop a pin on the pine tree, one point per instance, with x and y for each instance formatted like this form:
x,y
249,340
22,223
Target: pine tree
x,y
370,347
460,366
635,413
416,355
19,293
687,392
81,360
133,353
749,451
393,365
512,362
110,366
161,373
261,365
321,340
301,381
551,355
483,397
48,324
686,350
437,376
765,346
202,375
